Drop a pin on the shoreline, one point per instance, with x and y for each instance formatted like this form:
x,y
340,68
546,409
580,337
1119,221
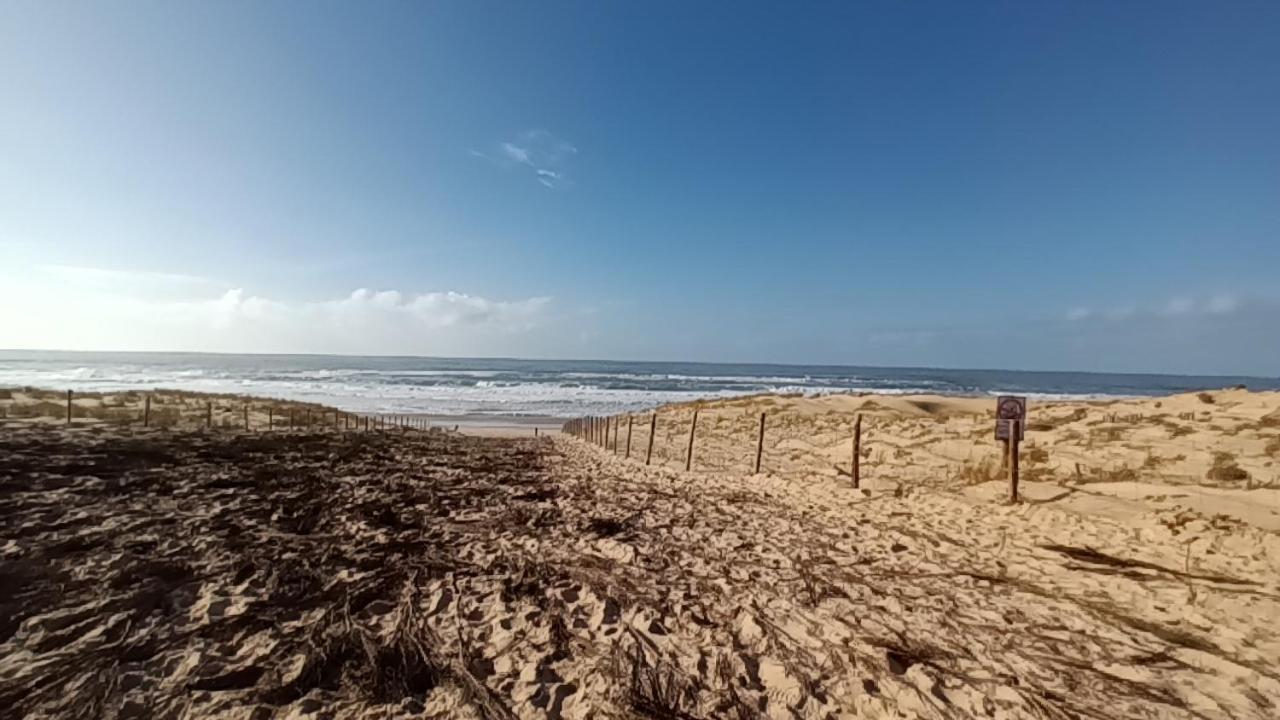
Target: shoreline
x,y
492,425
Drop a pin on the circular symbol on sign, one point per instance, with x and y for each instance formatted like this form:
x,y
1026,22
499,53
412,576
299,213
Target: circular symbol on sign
x,y
1010,409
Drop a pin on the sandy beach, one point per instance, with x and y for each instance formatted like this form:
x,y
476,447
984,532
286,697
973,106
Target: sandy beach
x,y
194,572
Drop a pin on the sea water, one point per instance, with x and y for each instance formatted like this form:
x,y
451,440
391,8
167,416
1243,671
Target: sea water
x,y
556,388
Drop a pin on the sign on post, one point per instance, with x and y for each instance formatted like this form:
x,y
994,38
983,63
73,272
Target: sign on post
x,y
1008,409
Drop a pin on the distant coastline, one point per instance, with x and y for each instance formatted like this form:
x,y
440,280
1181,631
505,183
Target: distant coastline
x,y
516,388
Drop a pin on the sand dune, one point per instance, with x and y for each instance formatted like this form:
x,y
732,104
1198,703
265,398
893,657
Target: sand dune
x,y
196,573
1212,453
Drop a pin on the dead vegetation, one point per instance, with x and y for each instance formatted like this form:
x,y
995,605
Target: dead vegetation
x,y
1225,470
352,557
976,473
169,408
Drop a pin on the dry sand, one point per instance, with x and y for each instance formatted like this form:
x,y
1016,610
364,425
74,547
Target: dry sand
x,y
1209,453
323,574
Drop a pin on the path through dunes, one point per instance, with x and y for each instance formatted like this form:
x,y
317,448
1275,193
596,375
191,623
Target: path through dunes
x,y
386,575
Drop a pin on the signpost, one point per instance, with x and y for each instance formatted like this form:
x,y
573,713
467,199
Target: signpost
x,y
1011,422
1008,409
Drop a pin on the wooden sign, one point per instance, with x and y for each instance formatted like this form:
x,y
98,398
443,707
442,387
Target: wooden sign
x,y
1008,409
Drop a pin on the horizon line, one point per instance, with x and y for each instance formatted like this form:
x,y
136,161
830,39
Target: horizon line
x,y
651,362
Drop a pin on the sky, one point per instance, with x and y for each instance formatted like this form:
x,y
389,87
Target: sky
x,y
1024,185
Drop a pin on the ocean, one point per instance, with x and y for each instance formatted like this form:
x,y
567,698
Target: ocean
x,y
554,388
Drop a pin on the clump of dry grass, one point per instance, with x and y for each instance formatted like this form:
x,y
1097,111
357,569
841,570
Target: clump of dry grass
x,y
985,470
1124,473
1205,398
1273,448
1226,470
1052,423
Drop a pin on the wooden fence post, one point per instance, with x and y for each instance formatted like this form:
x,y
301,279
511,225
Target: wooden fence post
x,y
208,414
855,466
760,444
271,418
629,420
1015,426
246,416
653,424
688,456
146,410
68,407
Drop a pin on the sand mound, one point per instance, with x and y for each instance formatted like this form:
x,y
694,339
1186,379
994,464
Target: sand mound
x,y
430,574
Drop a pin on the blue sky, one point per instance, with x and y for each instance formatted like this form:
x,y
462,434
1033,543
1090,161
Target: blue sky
x,y
1090,186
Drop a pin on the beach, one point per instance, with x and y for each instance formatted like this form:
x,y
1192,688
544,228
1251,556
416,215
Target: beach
x,y
192,571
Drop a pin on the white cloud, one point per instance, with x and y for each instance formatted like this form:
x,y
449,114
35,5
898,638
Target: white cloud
x,y
536,150
1177,309
1222,304
52,309
516,153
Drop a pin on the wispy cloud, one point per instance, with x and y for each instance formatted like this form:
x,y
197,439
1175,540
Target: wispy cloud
x,y
1177,307
1222,304
536,151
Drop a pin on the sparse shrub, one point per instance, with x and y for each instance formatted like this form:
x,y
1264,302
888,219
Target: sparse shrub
x,y
1225,469
1205,398
1273,448
6,394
